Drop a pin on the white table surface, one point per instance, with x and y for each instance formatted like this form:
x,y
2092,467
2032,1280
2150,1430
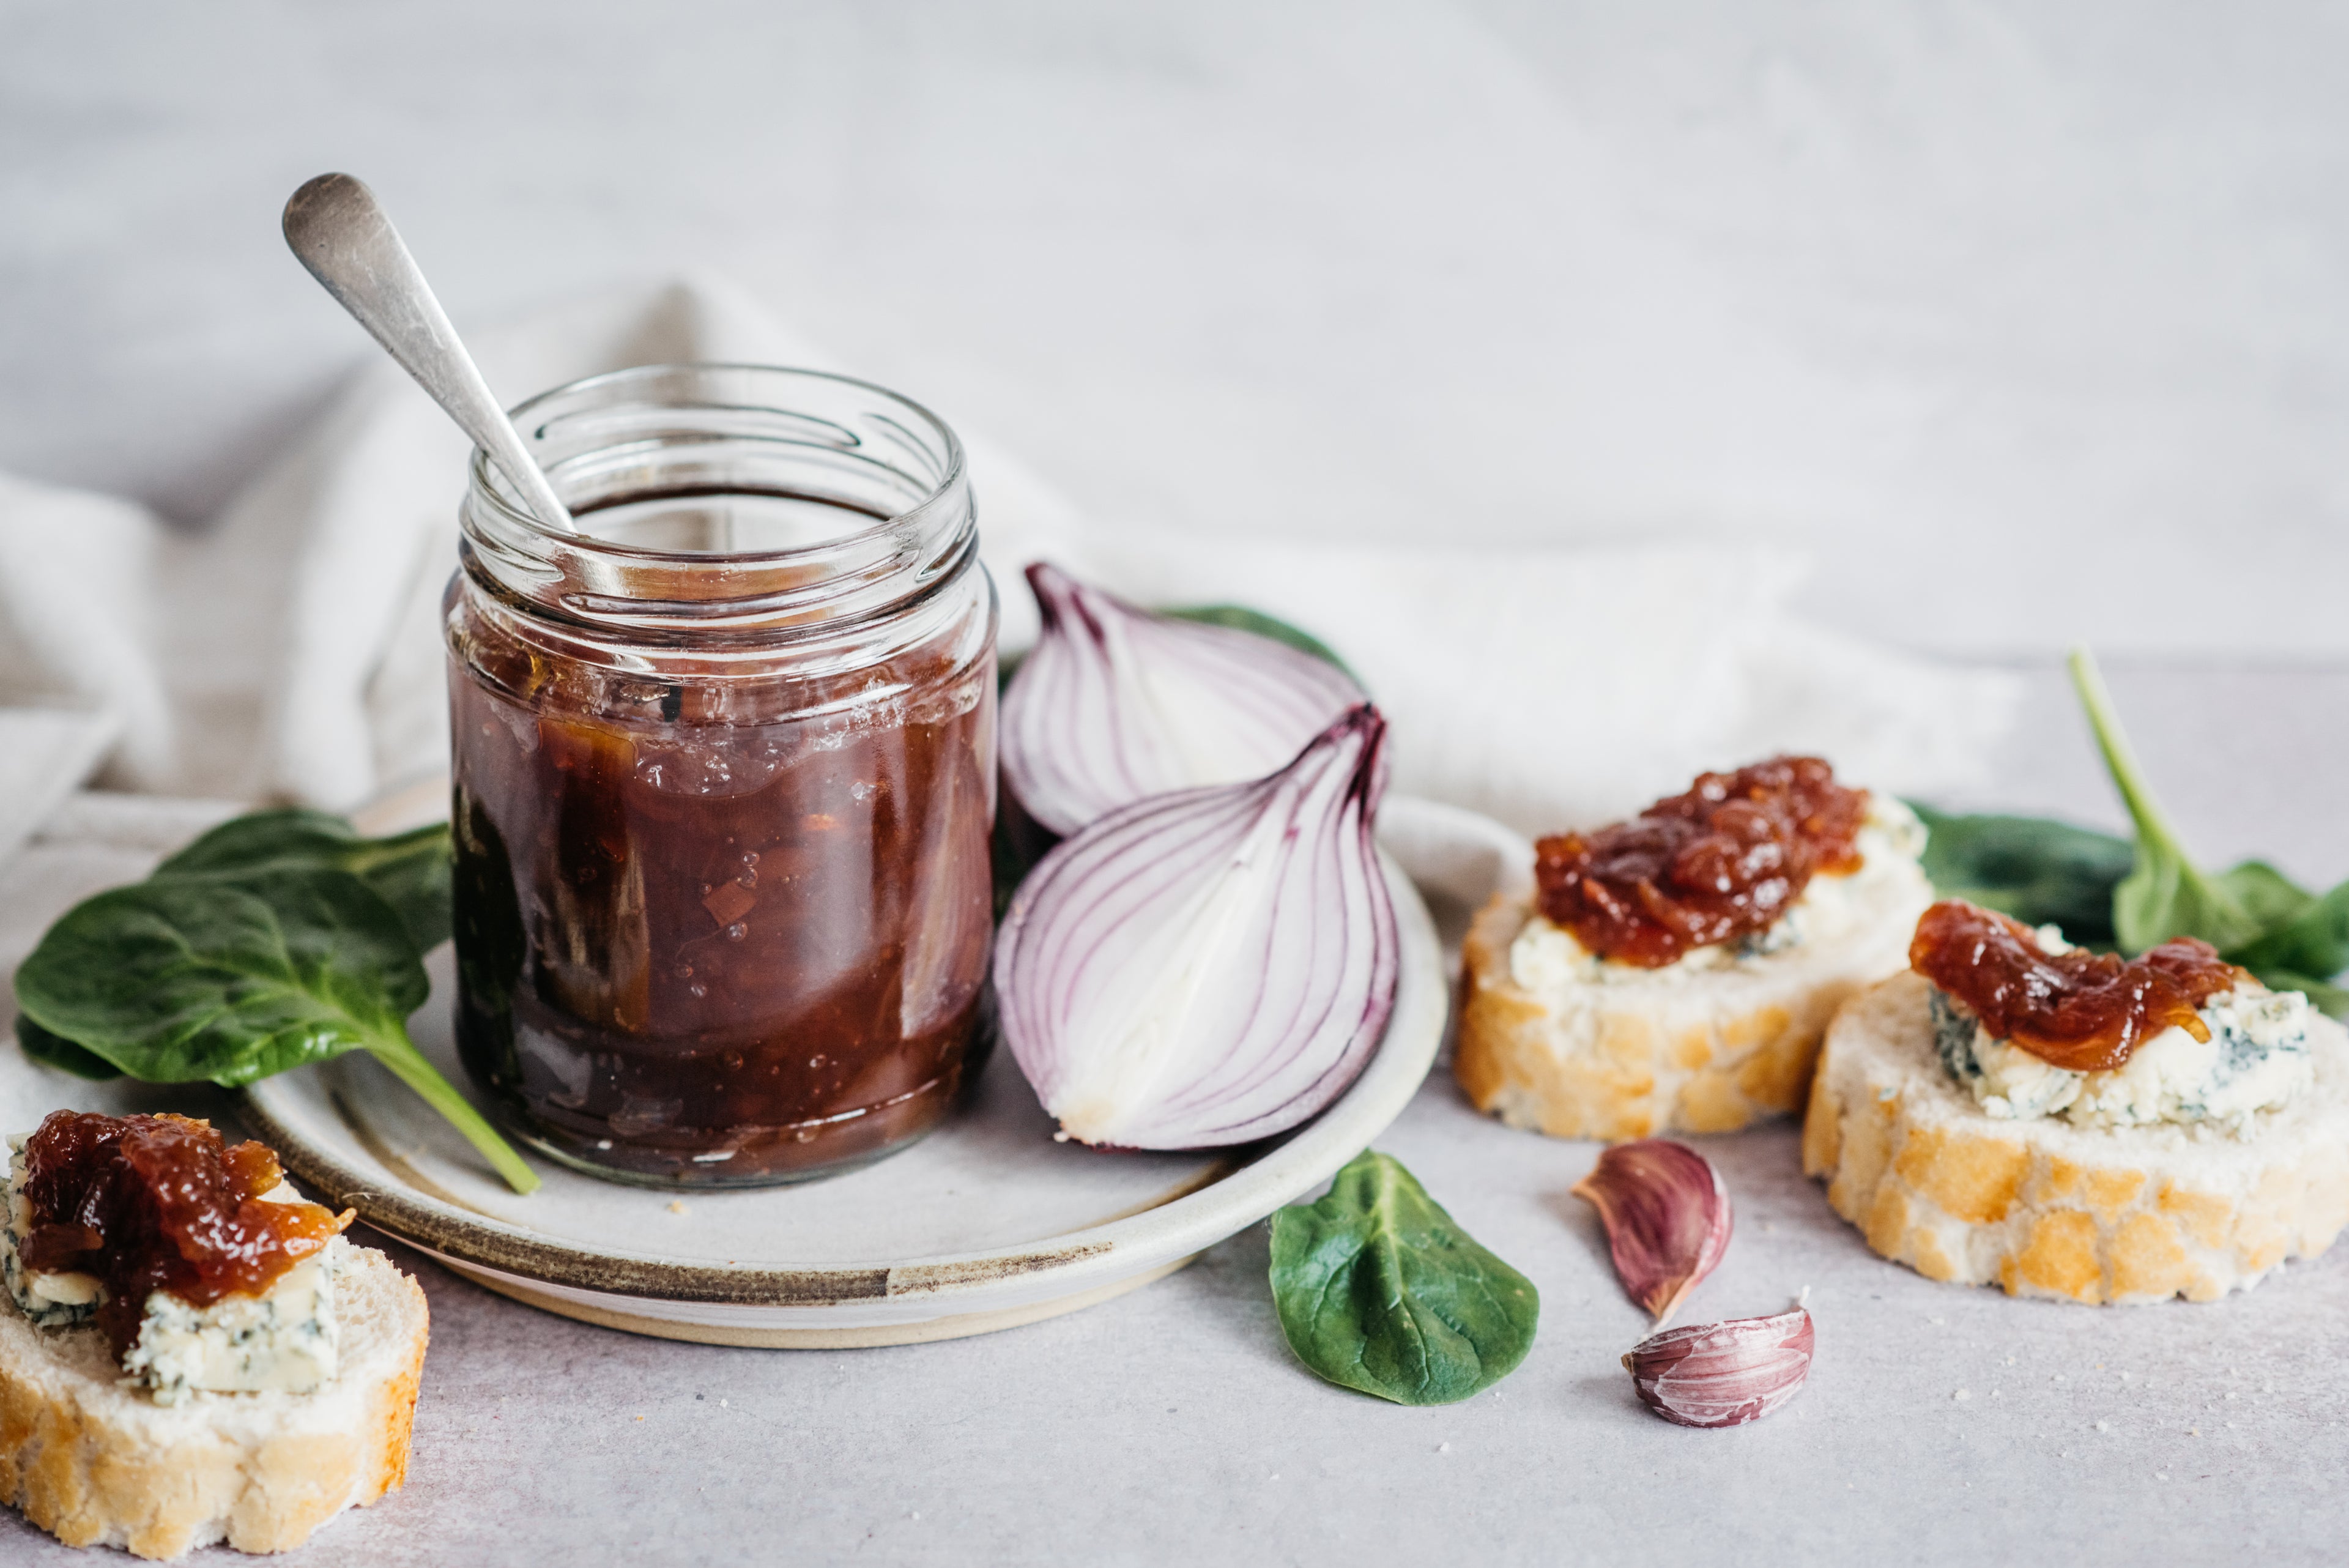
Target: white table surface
x,y
1173,1426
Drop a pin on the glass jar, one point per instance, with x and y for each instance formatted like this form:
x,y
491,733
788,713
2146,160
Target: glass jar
x,y
724,768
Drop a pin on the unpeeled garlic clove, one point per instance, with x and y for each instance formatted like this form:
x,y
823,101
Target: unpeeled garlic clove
x,y
1667,1218
1723,1374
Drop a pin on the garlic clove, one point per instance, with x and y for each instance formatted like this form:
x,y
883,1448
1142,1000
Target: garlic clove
x,y
1208,966
1723,1374
1667,1215
1115,704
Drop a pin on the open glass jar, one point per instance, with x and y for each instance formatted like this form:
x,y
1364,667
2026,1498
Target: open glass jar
x,y
724,767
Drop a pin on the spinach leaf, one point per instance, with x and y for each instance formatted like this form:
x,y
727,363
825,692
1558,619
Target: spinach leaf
x,y
2311,943
410,871
1379,1290
2253,914
234,978
61,1053
1239,617
2165,894
2271,899
2039,871
2107,891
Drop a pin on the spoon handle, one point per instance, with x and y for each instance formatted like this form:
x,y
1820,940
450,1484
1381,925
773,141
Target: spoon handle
x,y
338,231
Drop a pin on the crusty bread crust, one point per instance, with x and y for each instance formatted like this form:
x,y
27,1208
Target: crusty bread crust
x,y
1710,1056
2046,1209
96,1463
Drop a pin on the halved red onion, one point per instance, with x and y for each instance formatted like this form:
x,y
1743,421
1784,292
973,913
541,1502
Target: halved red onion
x,y
1115,704
1212,966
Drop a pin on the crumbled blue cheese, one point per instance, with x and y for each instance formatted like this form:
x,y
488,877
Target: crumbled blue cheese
x,y
1546,960
2256,1059
286,1341
50,1301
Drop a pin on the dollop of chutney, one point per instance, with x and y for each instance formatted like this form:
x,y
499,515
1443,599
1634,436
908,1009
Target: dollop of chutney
x,y
2081,1011
147,1203
1723,860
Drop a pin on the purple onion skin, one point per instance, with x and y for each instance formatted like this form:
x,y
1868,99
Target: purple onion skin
x,y
1074,745
1314,951
1723,1374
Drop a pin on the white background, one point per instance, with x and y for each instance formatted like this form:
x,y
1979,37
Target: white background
x,y
2026,320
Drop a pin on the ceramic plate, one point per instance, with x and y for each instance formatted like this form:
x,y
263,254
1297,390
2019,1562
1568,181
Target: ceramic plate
x,y
985,1224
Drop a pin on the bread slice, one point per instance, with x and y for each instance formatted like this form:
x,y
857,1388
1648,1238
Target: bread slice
x,y
96,1463
2047,1209
1680,1049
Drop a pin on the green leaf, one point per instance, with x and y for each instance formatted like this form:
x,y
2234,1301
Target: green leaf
x,y
233,979
1239,617
2102,889
60,1053
2165,894
2312,942
2039,871
2268,897
410,871
1379,1290
186,978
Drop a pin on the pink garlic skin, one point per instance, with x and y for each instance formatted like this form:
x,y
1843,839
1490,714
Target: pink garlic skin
x,y
1723,1374
1668,1219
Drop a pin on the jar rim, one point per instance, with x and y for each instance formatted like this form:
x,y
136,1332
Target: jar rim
x,y
489,483
725,429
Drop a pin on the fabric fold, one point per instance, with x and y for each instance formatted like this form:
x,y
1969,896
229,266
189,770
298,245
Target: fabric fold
x,y
292,649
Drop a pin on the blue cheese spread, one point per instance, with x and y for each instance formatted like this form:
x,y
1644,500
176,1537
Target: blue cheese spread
x,y
2256,1060
286,1341
1547,960
50,1301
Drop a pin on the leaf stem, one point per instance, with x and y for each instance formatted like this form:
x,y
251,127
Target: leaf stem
x,y
406,1062
2119,760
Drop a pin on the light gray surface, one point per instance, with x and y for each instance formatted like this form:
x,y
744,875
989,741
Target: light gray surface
x,y
1173,1426
1937,288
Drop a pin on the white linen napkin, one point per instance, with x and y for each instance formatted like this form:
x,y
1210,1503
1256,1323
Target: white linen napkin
x,y
44,753
292,650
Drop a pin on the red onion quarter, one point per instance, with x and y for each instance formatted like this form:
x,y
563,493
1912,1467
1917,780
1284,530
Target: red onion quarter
x,y
1212,966
1115,704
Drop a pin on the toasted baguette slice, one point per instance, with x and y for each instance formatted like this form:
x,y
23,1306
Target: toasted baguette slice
x,y
94,1462
1670,1050
2047,1209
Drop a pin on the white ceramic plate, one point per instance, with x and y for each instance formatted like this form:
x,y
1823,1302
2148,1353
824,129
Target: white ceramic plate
x,y
985,1224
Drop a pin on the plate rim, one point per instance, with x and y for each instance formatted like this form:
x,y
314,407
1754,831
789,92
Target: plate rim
x,y
1183,1224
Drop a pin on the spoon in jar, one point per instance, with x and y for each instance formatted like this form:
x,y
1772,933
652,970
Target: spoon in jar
x,y
339,232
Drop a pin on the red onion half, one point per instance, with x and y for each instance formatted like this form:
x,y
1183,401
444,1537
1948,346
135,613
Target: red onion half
x,y
1115,704
1212,966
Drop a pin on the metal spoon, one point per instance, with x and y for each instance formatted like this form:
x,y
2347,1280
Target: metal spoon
x,y
340,233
